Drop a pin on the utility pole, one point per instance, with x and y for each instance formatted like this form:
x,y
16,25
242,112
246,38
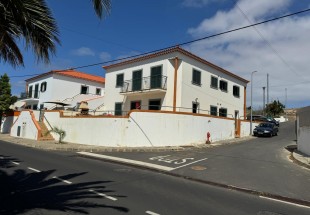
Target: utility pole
x,y
264,100
267,88
251,132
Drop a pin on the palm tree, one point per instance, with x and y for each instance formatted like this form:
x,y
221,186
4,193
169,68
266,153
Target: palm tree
x,y
32,21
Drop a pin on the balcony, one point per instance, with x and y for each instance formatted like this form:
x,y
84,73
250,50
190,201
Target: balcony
x,y
35,94
151,84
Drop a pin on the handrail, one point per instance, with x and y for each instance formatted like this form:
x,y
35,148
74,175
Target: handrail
x,y
145,83
47,122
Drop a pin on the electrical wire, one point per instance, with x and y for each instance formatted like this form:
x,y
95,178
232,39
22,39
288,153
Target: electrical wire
x,y
184,43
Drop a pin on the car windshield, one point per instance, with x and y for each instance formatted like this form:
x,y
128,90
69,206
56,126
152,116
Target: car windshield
x,y
265,125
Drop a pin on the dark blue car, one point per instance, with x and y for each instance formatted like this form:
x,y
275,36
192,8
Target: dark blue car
x,y
266,129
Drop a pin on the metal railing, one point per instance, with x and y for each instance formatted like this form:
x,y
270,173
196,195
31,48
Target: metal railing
x,y
30,94
146,83
143,107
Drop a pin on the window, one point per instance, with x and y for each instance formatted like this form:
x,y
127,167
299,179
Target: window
x,y
223,112
214,82
195,107
84,89
36,91
118,109
236,91
154,104
135,105
136,80
119,80
156,74
196,79
223,85
213,110
30,91
43,86
98,91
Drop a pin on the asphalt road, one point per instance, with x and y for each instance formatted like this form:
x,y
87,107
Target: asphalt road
x,y
43,182
259,164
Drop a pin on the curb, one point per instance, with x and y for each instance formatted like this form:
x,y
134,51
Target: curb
x,y
298,162
286,199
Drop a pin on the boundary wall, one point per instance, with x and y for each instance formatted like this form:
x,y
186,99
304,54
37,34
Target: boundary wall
x,y
303,130
139,128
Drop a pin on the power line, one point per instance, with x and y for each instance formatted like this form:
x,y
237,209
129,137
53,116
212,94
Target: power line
x,y
186,43
196,40
266,41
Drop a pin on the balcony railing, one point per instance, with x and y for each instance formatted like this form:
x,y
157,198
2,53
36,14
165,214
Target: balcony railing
x,y
145,84
30,94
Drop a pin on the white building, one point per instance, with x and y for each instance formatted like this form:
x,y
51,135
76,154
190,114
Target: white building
x,y
68,86
174,80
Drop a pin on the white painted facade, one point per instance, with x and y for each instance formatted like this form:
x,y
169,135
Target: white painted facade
x,y
303,130
140,129
24,126
187,93
62,88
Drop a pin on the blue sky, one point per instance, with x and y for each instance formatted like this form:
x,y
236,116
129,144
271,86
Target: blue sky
x,y
279,48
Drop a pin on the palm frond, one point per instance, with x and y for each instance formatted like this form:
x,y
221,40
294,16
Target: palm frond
x,y
102,7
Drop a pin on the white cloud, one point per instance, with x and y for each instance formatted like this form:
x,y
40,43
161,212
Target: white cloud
x,y
198,3
129,54
241,52
105,56
83,51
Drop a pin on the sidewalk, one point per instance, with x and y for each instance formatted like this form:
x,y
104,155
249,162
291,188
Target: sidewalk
x,y
54,145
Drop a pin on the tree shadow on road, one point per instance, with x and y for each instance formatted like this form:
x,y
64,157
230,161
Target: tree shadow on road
x,y
21,192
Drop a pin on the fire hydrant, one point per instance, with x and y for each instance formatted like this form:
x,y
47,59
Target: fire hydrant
x,y
208,138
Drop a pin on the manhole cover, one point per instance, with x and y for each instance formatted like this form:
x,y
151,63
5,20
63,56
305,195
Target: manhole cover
x,y
198,168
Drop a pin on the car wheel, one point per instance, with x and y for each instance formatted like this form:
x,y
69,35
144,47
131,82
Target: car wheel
x,y
276,134
270,135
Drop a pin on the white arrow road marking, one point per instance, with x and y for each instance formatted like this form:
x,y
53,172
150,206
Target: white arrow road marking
x,y
151,213
33,169
104,195
14,163
65,181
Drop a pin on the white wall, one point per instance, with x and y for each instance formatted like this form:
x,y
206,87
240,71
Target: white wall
x,y
245,128
207,95
303,138
143,129
28,128
6,124
61,87
303,130
186,91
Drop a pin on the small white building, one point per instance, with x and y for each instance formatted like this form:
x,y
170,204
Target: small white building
x,y
68,86
174,80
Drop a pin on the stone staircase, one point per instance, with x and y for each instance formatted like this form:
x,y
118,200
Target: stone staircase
x,y
45,136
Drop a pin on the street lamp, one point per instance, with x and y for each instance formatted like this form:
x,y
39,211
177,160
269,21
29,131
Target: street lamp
x,y
251,101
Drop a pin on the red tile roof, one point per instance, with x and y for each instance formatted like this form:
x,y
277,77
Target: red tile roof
x,y
72,73
171,50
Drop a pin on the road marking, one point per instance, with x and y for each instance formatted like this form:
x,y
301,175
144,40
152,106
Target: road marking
x,y
33,169
14,163
65,181
1,158
190,163
285,202
151,213
123,160
104,195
